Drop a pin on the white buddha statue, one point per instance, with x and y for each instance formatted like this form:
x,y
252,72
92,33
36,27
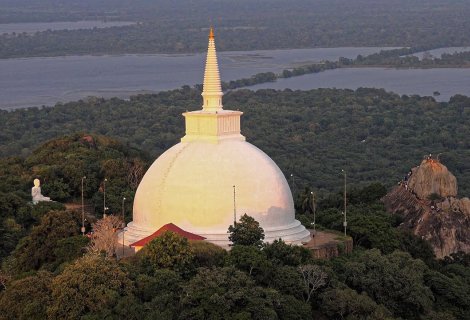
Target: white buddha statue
x,y
36,192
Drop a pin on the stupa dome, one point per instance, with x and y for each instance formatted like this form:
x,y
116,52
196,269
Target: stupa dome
x,y
212,177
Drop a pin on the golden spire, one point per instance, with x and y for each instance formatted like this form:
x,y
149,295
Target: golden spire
x,y
212,123
212,90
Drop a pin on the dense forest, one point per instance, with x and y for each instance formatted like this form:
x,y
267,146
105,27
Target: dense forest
x,y
404,58
372,134
240,25
60,165
48,270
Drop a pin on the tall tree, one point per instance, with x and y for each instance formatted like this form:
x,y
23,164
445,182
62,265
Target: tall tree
x,y
37,249
171,251
226,293
246,232
27,298
91,285
105,235
395,280
313,278
345,303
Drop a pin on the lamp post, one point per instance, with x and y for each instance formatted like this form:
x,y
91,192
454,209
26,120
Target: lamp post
x,y
234,207
83,210
123,217
123,224
293,186
314,207
345,222
104,197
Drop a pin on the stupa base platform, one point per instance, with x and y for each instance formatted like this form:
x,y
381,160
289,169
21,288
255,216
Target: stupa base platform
x,y
294,233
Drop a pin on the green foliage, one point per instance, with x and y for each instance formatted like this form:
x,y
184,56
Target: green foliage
x,y
71,248
42,208
369,194
364,285
91,155
288,281
402,58
459,257
58,190
10,203
29,214
418,248
339,303
397,132
27,298
226,293
160,293
264,282
10,234
161,282
281,253
246,232
250,259
96,157
368,224
38,248
291,308
171,251
395,281
435,197
207,254
451,292
92,284
439,316
245,82
372,227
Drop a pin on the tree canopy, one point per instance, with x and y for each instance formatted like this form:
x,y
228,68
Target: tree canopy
x,y
246,232
390,274
171,251
376,136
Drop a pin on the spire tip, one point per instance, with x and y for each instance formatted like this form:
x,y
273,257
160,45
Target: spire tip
x,y
211,33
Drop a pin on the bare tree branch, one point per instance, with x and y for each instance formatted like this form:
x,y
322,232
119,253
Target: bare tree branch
x,y
105,235
313,278
135,173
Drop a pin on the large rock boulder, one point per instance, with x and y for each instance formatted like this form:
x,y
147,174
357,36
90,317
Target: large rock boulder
x,y
432,178
429,207
454,204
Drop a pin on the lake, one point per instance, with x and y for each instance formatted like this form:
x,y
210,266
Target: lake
x,y
29,82
447,81
32,27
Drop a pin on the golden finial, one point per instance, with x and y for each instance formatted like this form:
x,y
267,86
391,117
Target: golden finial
x,y
211,33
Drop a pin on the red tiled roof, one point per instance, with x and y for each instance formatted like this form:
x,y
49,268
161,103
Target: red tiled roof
x,y
162,230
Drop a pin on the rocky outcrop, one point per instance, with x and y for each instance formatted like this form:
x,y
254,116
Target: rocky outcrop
x,y
455,205
432,178
402,201
427,201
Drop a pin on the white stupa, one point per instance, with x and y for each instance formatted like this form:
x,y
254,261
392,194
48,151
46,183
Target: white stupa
x,y
192,184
